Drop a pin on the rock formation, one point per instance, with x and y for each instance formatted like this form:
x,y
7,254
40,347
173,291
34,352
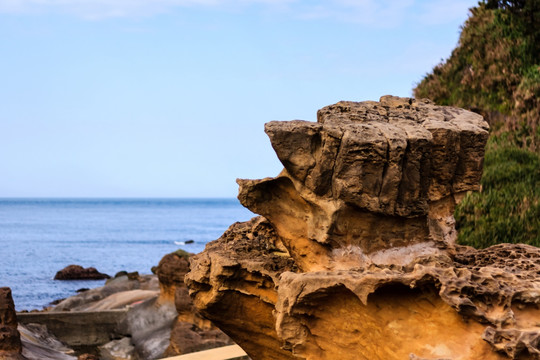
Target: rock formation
x,y
10,339
355,255
77,272
190,332
26,342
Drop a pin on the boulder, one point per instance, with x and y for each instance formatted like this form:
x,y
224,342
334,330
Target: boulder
x,y
171,271
149,325
121,349
77,272
355,254
187,338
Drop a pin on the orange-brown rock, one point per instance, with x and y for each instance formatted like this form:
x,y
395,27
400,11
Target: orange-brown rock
x,y
355,257
433,308
189,331
246,264
171,271
10,339
473,305
187,338
370,176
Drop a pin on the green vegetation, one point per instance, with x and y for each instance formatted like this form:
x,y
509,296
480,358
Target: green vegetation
x,y
183,254
508,208
495,70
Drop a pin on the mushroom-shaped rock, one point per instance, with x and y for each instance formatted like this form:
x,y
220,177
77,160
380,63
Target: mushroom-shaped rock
x,y
354,256
369,177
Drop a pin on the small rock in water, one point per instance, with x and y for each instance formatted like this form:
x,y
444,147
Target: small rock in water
x,y
77,272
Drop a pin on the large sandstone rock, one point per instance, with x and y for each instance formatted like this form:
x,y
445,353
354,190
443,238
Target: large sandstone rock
x,y
355,257
370,177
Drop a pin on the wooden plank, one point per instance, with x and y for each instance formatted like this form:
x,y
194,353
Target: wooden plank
x,y
222,353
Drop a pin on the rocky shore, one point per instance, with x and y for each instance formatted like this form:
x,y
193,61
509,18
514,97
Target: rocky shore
x,y
132,317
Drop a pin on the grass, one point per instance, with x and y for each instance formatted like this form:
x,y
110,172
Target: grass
x,y
507,209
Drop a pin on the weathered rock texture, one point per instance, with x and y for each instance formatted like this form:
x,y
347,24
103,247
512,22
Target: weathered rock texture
x,y
10,339
26,342
189,332
355,257
371,177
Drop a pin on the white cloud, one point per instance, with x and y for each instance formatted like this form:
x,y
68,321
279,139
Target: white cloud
x,y
379,13
118,8
386,13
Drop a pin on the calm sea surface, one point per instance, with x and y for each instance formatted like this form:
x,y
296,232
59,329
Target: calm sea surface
x,y
38,237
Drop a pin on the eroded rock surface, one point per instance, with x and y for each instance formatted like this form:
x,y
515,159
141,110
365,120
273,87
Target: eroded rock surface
x,y
355,257
188,331
371,176
10,339
246,263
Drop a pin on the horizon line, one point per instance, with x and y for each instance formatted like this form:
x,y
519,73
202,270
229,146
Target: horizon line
x,y
117,197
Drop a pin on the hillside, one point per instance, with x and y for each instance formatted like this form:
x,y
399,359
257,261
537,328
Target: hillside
x,y
495,71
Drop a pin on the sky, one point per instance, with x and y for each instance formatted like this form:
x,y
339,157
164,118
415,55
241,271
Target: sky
x,y
168,98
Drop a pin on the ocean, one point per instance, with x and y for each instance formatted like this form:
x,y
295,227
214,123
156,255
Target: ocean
x,y
38,237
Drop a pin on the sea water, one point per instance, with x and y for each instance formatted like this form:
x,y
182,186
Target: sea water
x,y
38,237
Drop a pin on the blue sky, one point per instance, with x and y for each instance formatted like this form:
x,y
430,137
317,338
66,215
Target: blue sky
x,y
168,98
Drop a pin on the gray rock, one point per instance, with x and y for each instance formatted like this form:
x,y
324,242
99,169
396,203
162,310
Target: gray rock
x,y
121,349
